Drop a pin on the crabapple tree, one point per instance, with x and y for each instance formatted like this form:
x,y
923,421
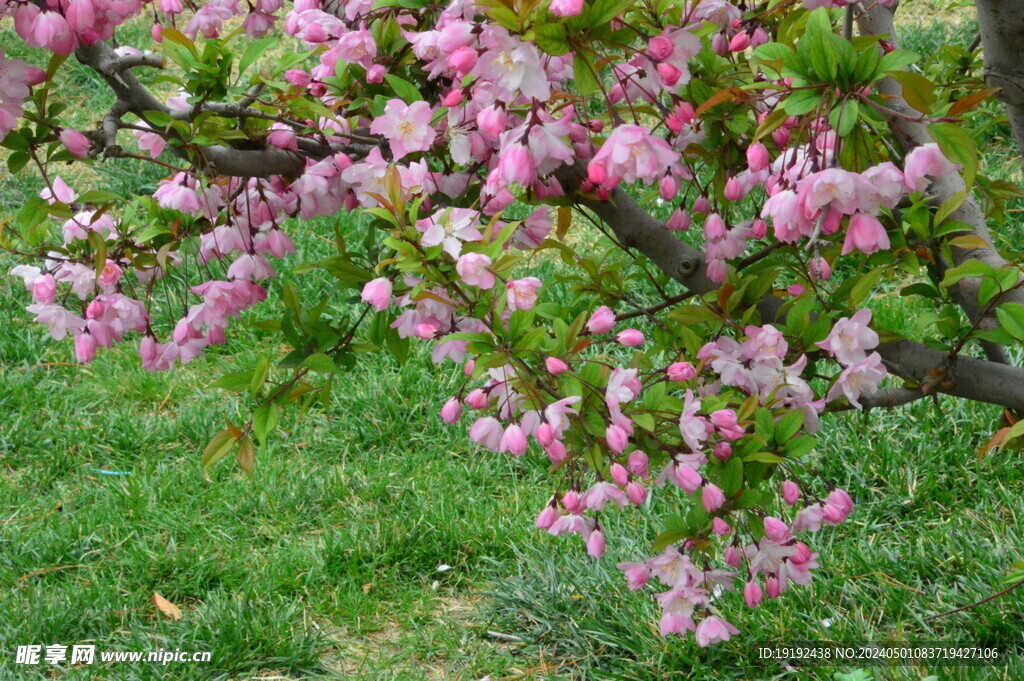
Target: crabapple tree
x,y
642,234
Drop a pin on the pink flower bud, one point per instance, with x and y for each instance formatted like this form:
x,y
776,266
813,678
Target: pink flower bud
x,y
636,492
752,594
720,527
773,588
602,321
733,557
620,476
595,544
701,206
467,368
733,189
453,98
555,366
638,464
820,269
790,492
44,290
571,502
796,290
802,555
686,477
513,441
426,331
712,497
720,44
157,33
630,338
545,434
556,451
681,371
378,293
477,399
668,187
670,74
739,42
596,173
75,142
297,77
616,438
374,74
660,47
759,228
679,222
757,157
547,517
566,8
463,59
451,411
776,530
85,348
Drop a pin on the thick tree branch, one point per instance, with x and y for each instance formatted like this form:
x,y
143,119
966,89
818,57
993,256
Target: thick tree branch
x,y
1002,30
911,133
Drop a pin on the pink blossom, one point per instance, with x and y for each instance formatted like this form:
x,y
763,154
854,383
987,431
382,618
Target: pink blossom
x,y
74,141
450,228
850,338
377,293
555,366
632,153
486,431
776,530
522,293
638,463
790,492
85,348
451,411
602,321
720,527
865,234
712,497
757,157
616,438
637,574
722,451
752,594
636,492
595,544
714,630
685,477
513,441
601,493
630,338
472,267
925,161
547,517
406,127
681,371
566,8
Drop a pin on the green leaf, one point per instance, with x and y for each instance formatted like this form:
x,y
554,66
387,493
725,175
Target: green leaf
x,y
264,420
732,477
844,118
403,88
603,11
800,446
1011,316
816,45
583,75
957,146
254,51
896,61
764,457
320,363
801,102
551,38
235,382
259,375
219,446
665,539
968,268
787,426
917,90
245,455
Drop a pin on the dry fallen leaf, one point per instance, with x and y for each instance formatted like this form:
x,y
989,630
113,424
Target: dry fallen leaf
x,y
166,607
366,588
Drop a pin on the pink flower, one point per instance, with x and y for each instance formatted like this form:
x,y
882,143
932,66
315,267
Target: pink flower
x,y
566,8
685,477
725,422
555,366
924,161
859,379
516,165
681,371
790,492
472,267
513,441
637,574
865,234
630,338
636,492
486,431
75,142
451,411
720,527
776,530
595,544
617,438
679,222
85,348
406,127
752,594
522,293
632,153
602,321
757,157
638,463
450,228
547,517
722,451
712,497
713,630
620,476
378,293
850,338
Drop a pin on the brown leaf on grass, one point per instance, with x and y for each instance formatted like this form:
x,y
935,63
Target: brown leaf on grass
x,y
166,607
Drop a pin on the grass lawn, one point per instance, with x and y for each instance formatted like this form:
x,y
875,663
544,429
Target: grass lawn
x,y
374,543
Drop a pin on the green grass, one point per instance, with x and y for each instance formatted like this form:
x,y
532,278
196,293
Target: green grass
x,y
325,565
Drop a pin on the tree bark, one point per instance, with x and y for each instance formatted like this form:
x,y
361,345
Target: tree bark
x,y
1002,44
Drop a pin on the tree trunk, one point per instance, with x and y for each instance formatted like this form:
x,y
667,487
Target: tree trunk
x,y
1002,43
